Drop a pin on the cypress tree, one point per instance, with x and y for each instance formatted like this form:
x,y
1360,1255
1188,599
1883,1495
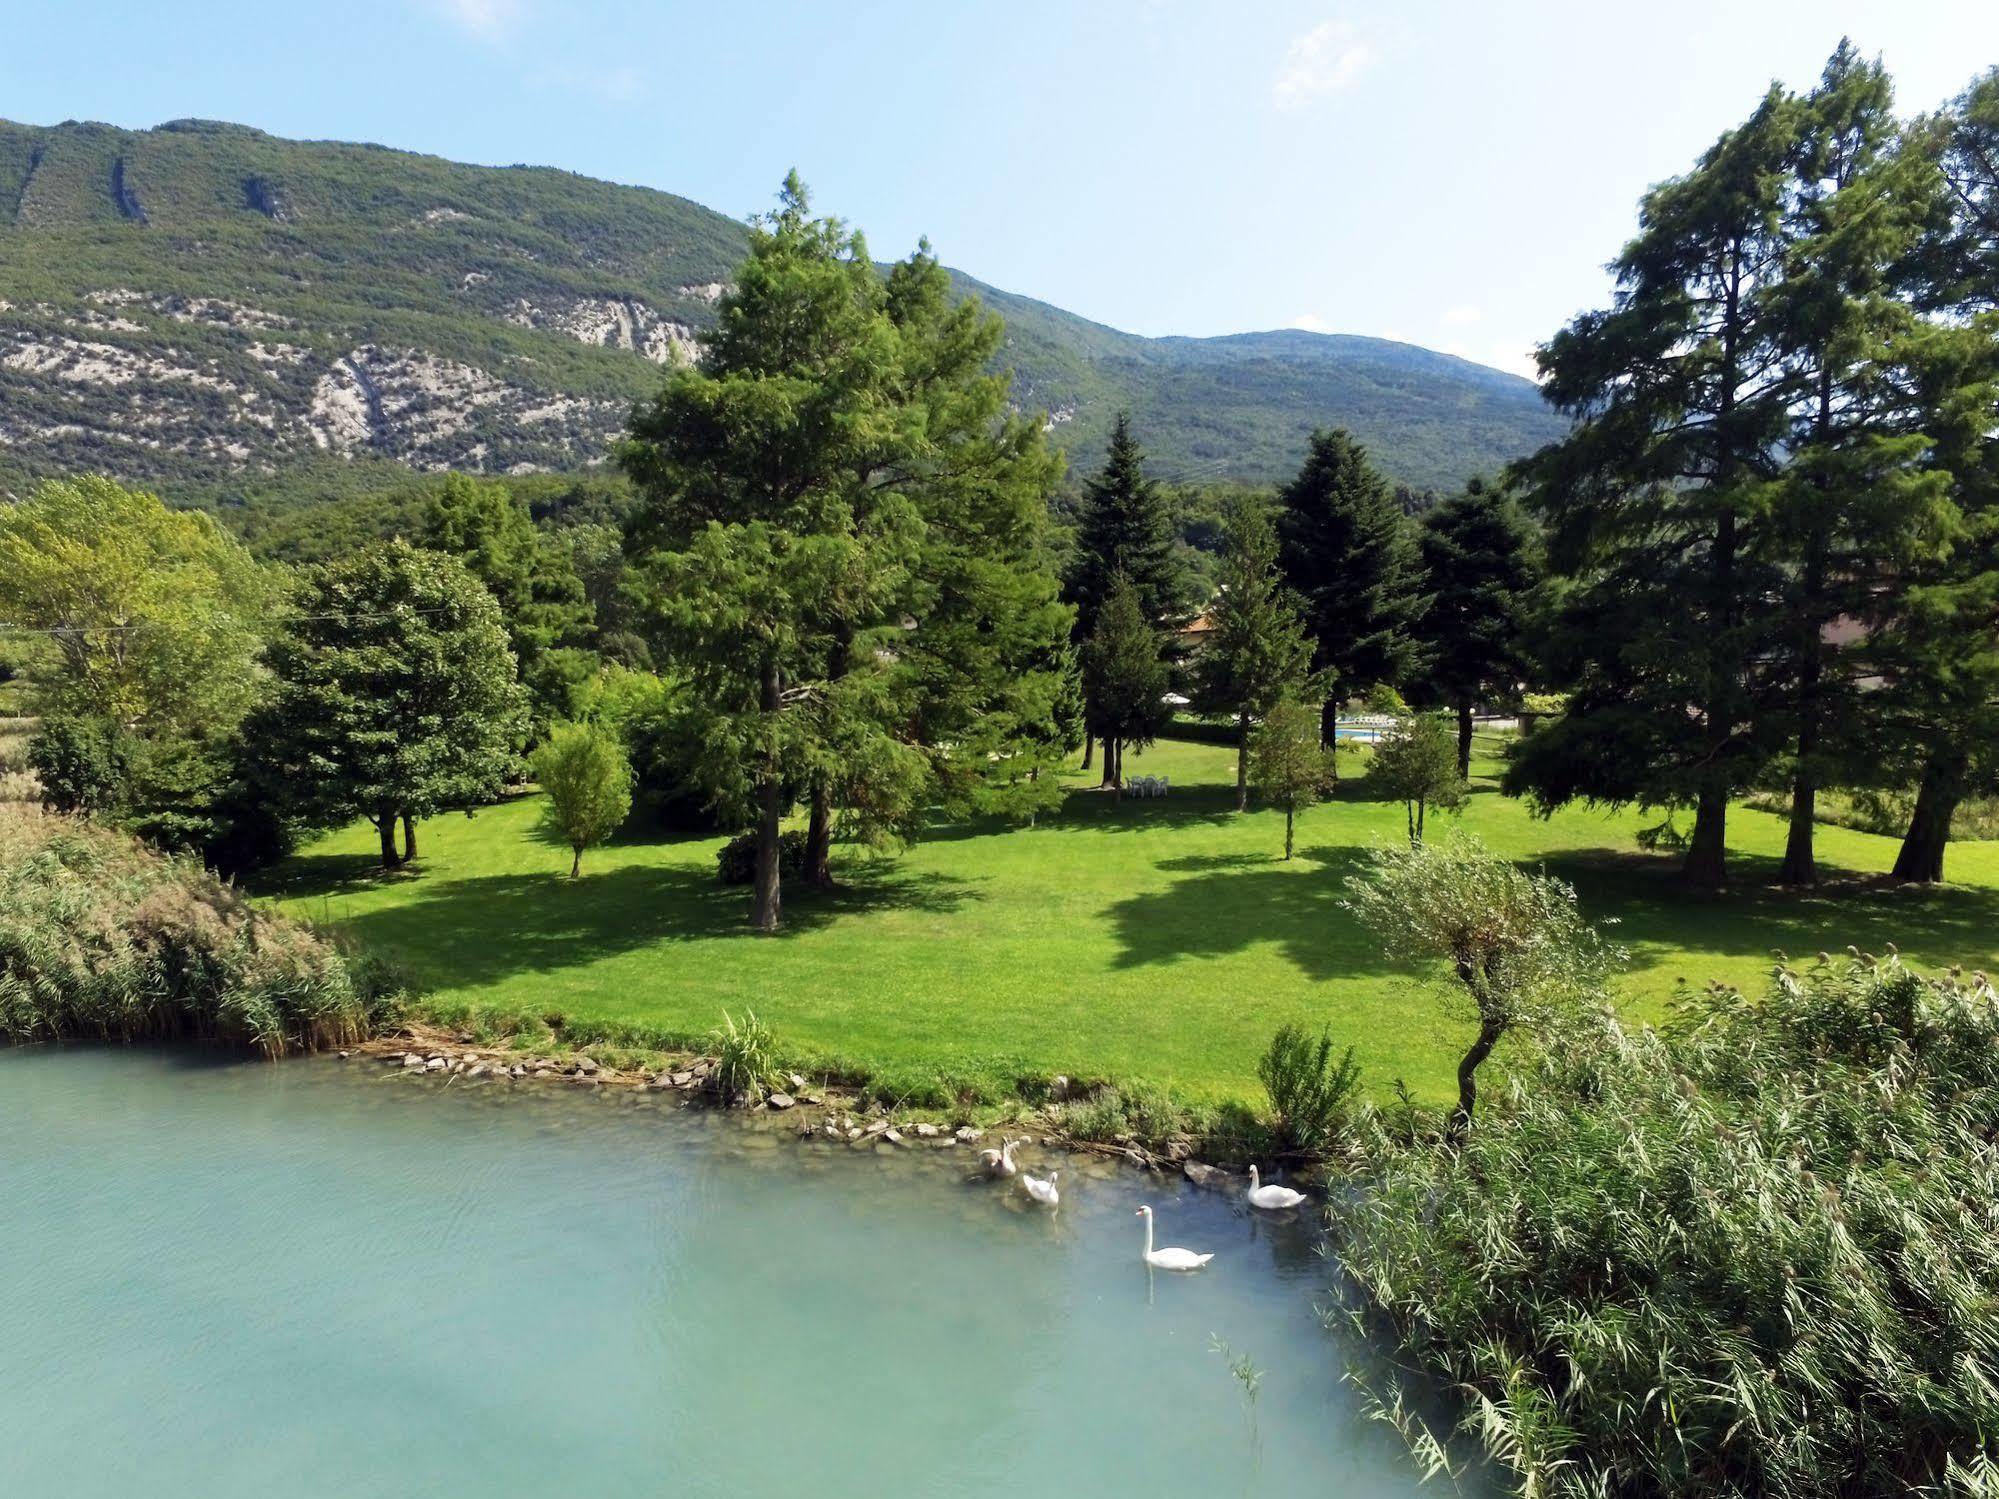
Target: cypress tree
x,y
1346,550
1125,678
1479,566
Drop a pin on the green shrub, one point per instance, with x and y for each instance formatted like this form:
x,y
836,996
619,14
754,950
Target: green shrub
x,y
1755,1253
1310,1095
736,860
100,937
745,1058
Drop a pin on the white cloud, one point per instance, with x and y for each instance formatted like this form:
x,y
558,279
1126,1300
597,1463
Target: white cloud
x,y
1498,356
485,19
1457,316
1320,61
1311,322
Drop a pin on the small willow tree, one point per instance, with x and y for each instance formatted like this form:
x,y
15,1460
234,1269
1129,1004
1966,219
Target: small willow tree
x,y
1513,941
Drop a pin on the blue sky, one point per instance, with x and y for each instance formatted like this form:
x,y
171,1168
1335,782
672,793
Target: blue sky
x,y
1453,174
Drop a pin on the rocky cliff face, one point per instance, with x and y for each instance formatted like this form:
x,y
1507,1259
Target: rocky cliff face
x,y
193,304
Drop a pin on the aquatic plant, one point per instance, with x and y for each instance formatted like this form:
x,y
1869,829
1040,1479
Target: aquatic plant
x,y
101,937
1754,1253
745,1058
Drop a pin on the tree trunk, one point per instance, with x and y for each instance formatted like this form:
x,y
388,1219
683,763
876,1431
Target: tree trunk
x,y
1706,865
409,837
386,826
576,863
1942,787
1421,808
1329,723
765,900
1488,1037
819,840
1409,821
1800,862
1290,812
1464,738
1110,763
1242,762
1089,749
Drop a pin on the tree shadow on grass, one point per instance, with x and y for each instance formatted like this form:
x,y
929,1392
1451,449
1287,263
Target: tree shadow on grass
x,y
1231,902
1658,919
478,931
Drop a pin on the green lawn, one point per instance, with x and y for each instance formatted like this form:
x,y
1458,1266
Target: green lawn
x,y
1162,939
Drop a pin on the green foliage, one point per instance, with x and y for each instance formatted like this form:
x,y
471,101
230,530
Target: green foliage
x,y
101,938
410,252
587,777
746,1063
1416,763
1311,1095
1125,530
1288,765
541,599
150,614
82,763
1513,942
395,695
1125,675
1255,650
1479,568
1348,552
1751,1255
736,860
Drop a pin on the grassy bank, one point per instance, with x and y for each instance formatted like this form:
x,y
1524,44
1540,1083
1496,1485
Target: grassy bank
x,y
1158,939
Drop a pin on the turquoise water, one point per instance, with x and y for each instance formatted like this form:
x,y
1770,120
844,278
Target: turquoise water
x,y
229,1280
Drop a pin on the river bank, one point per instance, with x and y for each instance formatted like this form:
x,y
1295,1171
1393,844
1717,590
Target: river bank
x,y
806,1108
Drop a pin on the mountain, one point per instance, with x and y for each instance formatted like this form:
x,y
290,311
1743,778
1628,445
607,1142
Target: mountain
x,y
209,309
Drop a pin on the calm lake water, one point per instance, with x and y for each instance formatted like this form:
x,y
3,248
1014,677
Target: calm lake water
x,y
315,1278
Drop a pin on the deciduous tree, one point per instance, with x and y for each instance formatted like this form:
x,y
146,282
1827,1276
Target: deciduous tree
x,y
584,772
1289,765
395,694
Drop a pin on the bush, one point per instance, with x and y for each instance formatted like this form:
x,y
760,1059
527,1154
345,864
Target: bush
x,y
82,763
1755,1253
100,937
1309,1093
736,860
745,1058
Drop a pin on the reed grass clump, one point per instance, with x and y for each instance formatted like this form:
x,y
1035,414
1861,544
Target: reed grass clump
x,y
1754,1253
101,937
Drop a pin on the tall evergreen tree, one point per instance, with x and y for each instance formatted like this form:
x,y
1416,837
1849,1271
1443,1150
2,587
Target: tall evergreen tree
x,y
776,568
1125,677
1125,530
1256,650
1346,549
1858,504
1658,498
1479,566
1939,649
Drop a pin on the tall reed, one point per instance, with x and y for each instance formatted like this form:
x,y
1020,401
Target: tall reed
x,y
101,937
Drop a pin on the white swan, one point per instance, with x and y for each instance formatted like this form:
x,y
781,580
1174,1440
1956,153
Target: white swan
x,y
1272,1196
999,1162
1041,1191
1169,1259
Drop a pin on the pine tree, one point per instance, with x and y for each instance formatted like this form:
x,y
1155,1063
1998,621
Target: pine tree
x,y
1256,650
1858,506
776,569
1479,567
1347,551
1938,651
1125,530
1658,500
1125,678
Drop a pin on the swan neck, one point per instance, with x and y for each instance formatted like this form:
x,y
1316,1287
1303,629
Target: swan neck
x,y
1148,1236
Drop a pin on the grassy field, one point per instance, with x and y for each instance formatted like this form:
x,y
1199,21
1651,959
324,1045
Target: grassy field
x,y
1159,939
